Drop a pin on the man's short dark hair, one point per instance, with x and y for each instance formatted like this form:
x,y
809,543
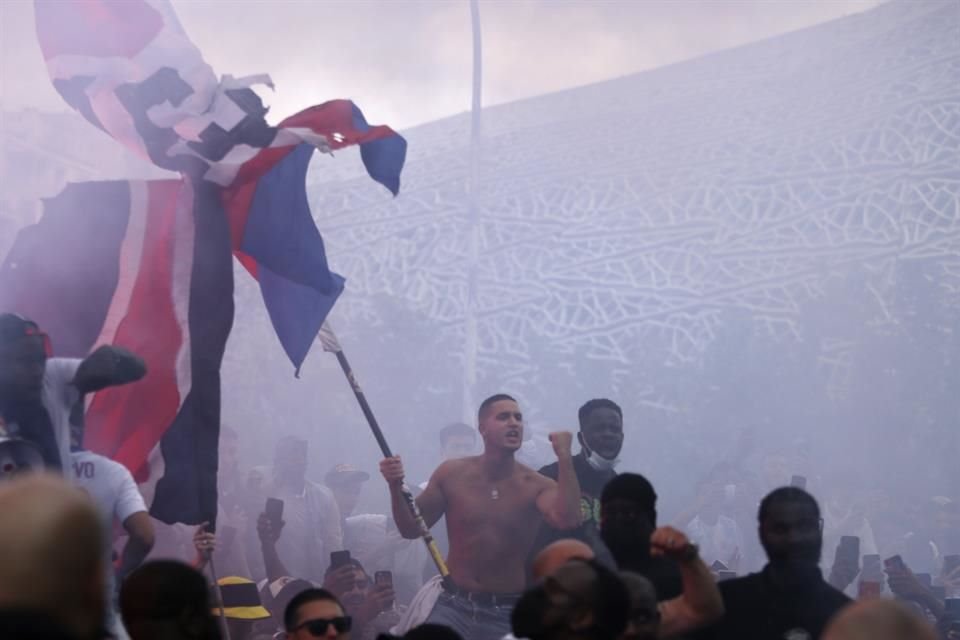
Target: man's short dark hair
x,y
165,590
353,562
456,429
431,631
597,403
605,595
490,401
290,615
784,495
632,487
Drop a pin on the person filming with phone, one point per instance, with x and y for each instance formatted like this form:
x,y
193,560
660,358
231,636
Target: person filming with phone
x,y
369,602
312,519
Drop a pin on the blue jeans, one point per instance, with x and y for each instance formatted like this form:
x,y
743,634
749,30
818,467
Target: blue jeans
x,y
471,620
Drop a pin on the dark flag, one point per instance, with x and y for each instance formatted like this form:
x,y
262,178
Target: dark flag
x,y
146,265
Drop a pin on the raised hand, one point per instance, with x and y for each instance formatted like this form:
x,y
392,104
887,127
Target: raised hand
x,y
562,442
341,580
670,542
379,598
266,531
844,570
904,583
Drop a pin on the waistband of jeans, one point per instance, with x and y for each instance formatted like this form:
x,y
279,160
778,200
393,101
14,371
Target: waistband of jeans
x,y
482,597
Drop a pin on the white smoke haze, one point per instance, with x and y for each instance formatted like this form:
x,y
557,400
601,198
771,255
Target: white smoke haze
x,y
756,249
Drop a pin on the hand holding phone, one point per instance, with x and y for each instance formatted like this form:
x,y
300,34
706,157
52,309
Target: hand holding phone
x,y
846,562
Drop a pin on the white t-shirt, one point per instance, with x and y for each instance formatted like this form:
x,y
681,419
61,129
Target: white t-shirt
x,y
110,484
113,489
59,396
311,530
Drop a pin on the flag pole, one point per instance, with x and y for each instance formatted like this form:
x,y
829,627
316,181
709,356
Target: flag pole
x,y
219,594
330,343
471,330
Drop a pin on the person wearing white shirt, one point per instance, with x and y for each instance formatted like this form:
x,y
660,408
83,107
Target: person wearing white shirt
x,y
118,500
39,393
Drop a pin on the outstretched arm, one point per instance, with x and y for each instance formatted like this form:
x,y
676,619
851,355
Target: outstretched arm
x,y
106,367
560,503
269,535
700,603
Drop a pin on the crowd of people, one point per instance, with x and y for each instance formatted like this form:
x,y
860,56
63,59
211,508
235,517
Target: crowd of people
x,y
573,550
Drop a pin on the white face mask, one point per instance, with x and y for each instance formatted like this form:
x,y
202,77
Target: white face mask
x,y
598,462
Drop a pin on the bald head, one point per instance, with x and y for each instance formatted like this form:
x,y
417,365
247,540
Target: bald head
x,y
50,552
559,553
878,619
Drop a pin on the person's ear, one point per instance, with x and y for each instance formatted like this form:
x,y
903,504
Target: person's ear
x,y
583,444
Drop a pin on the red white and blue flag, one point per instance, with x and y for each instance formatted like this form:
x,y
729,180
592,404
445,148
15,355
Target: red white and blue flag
x,y
147,264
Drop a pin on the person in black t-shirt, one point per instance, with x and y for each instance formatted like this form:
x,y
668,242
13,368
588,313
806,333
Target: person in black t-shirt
x,y
601,438
789,599
628,518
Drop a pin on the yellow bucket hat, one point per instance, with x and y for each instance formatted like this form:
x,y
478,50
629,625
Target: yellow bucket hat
x,y
241,600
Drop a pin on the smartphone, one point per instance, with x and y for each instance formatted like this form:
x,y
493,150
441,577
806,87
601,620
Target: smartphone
x,y
925,579
339,559
798,481
718,566
871,570
849,549
384,578
227,535
274,511
894,563
726,575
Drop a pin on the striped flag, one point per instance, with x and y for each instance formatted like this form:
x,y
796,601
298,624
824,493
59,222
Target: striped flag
x,y
147,264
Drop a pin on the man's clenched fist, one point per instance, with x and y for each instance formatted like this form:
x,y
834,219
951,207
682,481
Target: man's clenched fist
x,y
562,442
667,541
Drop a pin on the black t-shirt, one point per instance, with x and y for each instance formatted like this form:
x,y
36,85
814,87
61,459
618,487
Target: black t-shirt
x,y
757,609
592,483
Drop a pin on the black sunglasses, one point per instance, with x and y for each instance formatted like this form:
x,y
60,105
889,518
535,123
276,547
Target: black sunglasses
x,y
318,626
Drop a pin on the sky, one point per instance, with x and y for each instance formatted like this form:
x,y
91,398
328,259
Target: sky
x,y
406,62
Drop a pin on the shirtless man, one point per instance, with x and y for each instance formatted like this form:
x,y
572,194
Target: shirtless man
x,y
494,506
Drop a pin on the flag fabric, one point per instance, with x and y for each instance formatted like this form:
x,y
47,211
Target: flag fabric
x,y
147,264
128,263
